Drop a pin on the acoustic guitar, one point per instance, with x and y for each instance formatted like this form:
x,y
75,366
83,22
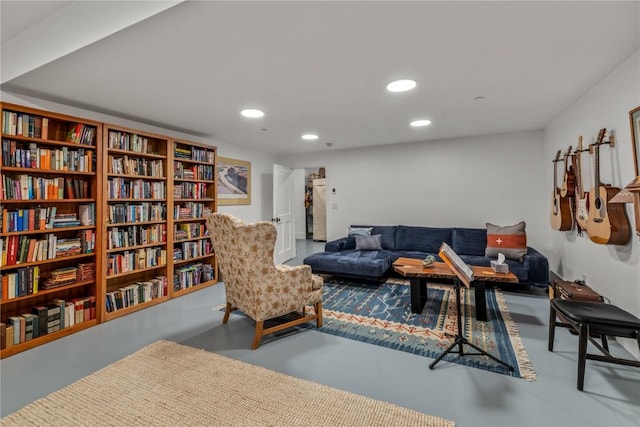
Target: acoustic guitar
x,y
560,206
607,223
568,187
581,197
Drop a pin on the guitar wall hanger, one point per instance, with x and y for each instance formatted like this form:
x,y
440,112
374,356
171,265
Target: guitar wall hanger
x,y
611,142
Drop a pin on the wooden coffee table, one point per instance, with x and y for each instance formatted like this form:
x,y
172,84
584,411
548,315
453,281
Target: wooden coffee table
x,y
418,275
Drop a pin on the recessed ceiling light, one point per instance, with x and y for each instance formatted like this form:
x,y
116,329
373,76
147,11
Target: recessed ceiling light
x,y
252,113
309,136
419,123
401,85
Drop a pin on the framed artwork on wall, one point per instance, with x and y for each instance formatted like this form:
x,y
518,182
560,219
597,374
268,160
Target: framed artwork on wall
x,y
234,181
634,120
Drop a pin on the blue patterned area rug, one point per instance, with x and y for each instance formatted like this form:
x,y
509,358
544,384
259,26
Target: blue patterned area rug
x,y
381,314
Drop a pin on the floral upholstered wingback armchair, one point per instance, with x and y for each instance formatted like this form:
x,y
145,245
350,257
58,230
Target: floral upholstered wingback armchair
x,y
253,283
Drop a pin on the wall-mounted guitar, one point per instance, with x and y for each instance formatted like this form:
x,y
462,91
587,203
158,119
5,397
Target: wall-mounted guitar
x,y
581,197
607,224
560,207
568,187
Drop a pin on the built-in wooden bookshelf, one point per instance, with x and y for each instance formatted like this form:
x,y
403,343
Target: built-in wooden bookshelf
x,y
49,192
135,222
193,197
98,221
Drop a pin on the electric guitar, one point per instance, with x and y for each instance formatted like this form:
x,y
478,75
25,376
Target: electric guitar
x,y
560,207
607,224
581,197
568,187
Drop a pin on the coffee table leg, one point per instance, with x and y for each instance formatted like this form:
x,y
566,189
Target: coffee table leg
x,y
481,300
418,294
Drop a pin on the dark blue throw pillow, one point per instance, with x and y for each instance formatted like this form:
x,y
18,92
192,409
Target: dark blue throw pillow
x,y
423,239
469,241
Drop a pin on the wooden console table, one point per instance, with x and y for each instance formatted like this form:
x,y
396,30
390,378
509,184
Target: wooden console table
x,y
419,275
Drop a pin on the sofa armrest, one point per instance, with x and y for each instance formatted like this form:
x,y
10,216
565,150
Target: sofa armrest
x,y
538,266
340,244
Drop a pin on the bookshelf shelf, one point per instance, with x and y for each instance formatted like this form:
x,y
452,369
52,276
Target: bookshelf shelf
x,y
192,239
137,154
27,345
47,142
130,176
195,162
193,288
45,171
39,201
46,261
200,218
197,258
128,310
47,160
131,200
42,292
131,248
193,180
125,224
136,271
45,231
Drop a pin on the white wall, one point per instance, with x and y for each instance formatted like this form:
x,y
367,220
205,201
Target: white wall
x,y
261,207
613,271
459,182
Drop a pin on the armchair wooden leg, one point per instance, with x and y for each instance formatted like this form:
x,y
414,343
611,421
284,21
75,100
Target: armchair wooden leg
x,y
258,335
228,311
318,308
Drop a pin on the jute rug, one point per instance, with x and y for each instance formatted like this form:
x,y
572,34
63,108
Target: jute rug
x,y
381,314
167,384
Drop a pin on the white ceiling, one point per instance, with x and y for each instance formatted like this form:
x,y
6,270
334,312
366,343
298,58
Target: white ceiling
x,y
323,67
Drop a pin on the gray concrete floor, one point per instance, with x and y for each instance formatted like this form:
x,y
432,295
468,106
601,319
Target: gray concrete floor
x,y
468,396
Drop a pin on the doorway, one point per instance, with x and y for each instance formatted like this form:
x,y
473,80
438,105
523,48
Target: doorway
x,y
312,220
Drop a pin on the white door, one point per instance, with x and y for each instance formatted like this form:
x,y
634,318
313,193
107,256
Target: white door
x,y
283,213
319,210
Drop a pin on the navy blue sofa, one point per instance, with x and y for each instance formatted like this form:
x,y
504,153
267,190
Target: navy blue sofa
x,y
342,259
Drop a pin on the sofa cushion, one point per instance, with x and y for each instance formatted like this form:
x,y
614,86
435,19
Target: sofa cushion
x,y
469,241
371,264
368,243
509,240
388,233
423,239
359,231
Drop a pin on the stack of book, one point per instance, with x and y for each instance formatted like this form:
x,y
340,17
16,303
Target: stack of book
x,y
61,277
63,220
86,272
